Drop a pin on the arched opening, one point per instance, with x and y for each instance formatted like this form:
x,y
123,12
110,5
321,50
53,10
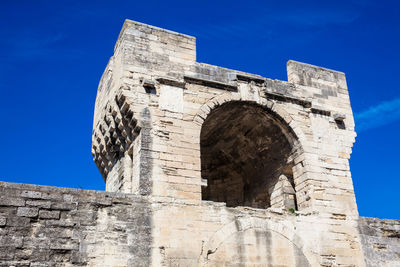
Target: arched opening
x,y
246,157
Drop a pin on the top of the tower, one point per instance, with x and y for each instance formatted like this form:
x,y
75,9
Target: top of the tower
x,y
142,27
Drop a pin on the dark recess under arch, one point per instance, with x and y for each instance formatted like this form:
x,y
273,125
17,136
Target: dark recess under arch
x,y
246,157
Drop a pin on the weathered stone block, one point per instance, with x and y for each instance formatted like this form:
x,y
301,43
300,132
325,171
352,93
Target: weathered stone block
x,y
61,223
11,241
31,194
39,264
3,221
17,221
63,244
78,257
27,212
36,243
47,214
63,206
39,203
11,201
6,255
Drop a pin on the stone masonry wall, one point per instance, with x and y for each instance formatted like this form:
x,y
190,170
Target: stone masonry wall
x,y
153,79
49,226
380,240
156,110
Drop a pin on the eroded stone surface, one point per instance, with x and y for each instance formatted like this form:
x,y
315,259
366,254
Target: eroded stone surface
x,y
380,241
99,229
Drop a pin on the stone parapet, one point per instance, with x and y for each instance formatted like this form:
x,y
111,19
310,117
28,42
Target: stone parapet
x,y
52,226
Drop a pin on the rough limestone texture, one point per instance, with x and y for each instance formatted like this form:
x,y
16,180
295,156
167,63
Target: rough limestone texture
x,y
204,166
380,240
50,226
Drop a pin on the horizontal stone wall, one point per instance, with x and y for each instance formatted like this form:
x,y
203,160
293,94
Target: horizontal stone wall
x,y
380,241
49,226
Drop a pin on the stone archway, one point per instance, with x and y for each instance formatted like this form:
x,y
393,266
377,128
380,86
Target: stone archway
x,y
247,157
256,242
221,99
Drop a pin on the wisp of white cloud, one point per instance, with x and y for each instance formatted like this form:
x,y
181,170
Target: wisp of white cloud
x,y
379,115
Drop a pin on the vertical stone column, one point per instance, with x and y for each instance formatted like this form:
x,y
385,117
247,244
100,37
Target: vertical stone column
x,y
330,137
325,167
283,194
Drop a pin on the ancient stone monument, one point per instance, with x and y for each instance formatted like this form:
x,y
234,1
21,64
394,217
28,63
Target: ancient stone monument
x,y
204,166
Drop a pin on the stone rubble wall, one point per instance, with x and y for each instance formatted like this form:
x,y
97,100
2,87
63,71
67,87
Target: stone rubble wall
x,y
380,240
50,226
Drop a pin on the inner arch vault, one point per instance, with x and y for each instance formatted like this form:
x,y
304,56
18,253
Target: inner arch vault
x,y
246,157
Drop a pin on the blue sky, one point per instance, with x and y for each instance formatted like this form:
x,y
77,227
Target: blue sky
x,y
54,52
